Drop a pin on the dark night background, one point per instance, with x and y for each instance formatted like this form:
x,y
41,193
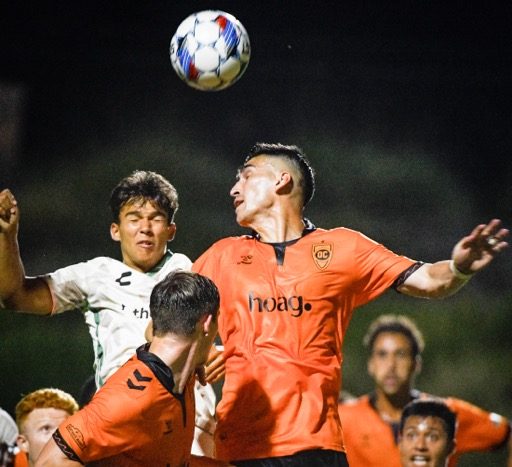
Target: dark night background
x,y
403,108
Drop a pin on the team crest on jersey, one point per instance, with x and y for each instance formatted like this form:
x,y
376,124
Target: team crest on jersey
x,y
322,254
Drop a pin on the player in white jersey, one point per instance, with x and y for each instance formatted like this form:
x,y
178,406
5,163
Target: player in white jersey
x,y
113,295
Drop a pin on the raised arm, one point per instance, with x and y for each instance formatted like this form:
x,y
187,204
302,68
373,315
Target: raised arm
x,y
17,291
469,256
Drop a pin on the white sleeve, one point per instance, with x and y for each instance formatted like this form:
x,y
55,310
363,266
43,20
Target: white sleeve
x,y
67,287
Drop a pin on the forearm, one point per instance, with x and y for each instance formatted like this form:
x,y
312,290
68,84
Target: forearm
x,y
434,280
52,456
12,272
18,292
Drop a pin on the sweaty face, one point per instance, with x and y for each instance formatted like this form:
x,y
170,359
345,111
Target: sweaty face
x,y
38,428
392,364
424,442
255,190
143,231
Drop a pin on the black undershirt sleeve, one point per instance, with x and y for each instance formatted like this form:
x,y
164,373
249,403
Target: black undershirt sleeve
x,y
405,274
64,447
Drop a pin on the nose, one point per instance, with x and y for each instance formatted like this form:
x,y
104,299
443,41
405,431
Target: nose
x,y
145,225
420,444
235,190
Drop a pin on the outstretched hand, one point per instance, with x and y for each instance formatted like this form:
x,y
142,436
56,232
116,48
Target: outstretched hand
x,y
476,251
8,212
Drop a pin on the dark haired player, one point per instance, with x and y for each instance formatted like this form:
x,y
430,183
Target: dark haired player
x,y
288,291
144,414
112,294
371,422
427,434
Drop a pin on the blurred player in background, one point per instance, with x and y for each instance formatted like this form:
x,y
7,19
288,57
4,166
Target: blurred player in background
x,y
113,295
371,422
38,415
144,414
427,433
288,291
8,436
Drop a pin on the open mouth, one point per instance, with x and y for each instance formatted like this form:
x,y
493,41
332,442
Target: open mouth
x,y
420,461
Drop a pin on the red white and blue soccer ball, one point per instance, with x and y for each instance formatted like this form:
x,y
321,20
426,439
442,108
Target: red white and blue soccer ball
x,y
210,50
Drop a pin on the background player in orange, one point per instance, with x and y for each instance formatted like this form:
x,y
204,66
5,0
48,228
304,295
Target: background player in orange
x,y
38,414
288,291
113,295
144,414
371,422
427,433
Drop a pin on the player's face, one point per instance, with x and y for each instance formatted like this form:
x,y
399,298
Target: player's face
x,y
424,442
392,364
254,192
38,429
143,232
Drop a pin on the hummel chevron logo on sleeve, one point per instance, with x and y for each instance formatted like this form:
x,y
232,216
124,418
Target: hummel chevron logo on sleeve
x,y
140,379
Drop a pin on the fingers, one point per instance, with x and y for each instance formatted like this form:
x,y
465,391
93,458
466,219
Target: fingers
x,y
493,236
215,376
215,366
8,206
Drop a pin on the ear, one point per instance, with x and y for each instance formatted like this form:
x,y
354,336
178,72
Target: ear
x,y
22,442
114,232
284,183
171,231
148,333
451,447
207,324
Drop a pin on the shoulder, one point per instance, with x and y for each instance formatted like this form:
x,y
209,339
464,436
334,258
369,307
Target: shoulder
x,y
94,264
227,244
354,406
179,260
344,234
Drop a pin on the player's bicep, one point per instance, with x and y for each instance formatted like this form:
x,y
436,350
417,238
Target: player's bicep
x,y
33,297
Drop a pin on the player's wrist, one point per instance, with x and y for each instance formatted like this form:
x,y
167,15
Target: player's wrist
x,y
458,273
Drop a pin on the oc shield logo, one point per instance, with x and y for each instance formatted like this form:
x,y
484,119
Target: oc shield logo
x,y
322,254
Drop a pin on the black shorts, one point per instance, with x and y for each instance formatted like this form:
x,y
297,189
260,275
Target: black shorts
x,y
312,458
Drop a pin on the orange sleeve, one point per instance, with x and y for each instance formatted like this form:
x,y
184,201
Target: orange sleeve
x,y
477,429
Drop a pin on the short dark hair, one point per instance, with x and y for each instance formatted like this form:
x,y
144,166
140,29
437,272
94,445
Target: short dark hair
x,y
431,407
144,185
297,157
395,324
180,300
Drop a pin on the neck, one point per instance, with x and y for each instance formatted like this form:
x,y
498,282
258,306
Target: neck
x,y
179,354
278,229
390,407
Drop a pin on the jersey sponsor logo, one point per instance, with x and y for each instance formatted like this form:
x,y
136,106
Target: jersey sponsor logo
x,y
322,254
140,379
77,435
141,313
294,305
121,280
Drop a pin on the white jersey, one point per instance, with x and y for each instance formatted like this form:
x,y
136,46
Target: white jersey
x,y
115,301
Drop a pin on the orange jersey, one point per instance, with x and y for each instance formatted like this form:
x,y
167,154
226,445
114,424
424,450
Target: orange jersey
x,y
21,459
370,440
284,312
134,419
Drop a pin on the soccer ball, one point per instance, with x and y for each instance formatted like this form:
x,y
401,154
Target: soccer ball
x,y
210,50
